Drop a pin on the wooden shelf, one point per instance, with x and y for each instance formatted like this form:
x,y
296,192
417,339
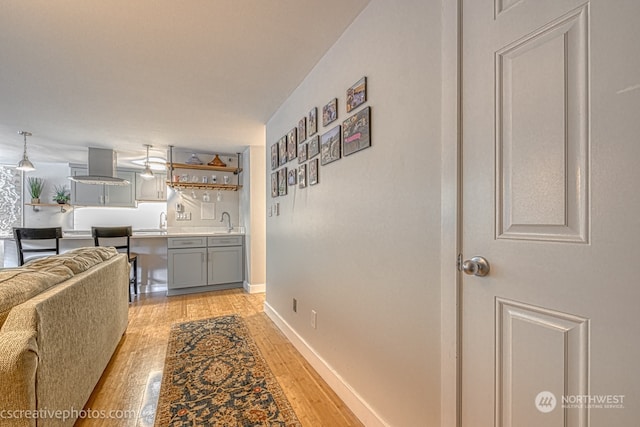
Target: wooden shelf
x,y
36,206
200,186
235,171
173,167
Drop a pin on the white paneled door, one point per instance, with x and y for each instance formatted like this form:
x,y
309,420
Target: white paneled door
x,y
551,171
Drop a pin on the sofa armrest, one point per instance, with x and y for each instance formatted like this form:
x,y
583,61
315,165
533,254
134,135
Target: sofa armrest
x,y
18,364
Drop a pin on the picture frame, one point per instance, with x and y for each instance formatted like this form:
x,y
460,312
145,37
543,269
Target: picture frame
x,y
312,122
313,172
302,129
282,182
274,156
357,94
292,176
302,176
330,146
313,147
302,153
356,132
282,150
292,145
330,112
274,184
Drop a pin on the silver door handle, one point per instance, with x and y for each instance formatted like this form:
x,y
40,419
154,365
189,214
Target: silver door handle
x,y
476,266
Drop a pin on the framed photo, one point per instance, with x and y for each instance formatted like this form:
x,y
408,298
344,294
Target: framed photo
x,y
292,145
292,176
330,112
302,153
282,182
313,172
302,129
312,122
357,94
302,176
274,184
330,146
356,132
313,147
274,156
282,150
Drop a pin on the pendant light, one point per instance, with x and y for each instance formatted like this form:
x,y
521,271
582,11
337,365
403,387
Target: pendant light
x,y
24,164
147,173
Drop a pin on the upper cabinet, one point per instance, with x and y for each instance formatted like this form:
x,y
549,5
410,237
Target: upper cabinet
x,y
103,195
151,190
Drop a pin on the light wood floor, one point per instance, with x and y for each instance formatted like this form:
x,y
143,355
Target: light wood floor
x,y
142,351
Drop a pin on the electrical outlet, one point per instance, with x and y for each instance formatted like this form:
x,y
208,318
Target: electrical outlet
x,y
314,319
295,305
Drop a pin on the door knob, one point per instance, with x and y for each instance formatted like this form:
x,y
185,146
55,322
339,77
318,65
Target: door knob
x,y
476,266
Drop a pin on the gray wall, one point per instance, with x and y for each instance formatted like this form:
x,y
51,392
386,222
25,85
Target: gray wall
x,y
362,247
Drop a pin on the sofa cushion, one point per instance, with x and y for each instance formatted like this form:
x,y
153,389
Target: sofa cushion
x,y
20,284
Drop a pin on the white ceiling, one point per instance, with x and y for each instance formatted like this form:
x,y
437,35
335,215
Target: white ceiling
x,y
198,74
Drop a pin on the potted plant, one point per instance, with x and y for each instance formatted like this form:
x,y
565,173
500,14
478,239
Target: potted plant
x,y
61,194
36,185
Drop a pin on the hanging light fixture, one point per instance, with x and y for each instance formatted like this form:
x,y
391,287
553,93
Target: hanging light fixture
x,y
147,173
24,164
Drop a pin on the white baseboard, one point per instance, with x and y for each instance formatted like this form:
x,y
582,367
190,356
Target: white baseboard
x,y
256,288
349,396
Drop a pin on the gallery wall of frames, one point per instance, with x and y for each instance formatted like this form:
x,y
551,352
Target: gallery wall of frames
x,y
296,157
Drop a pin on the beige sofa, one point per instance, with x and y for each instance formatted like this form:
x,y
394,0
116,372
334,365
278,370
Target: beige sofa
x,y
61,319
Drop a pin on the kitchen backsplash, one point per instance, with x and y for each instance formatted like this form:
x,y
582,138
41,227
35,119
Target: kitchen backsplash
x,y
145,216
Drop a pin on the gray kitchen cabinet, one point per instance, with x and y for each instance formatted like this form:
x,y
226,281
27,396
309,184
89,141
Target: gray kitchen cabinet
x,y
151,190
186,267
103,195
198,263
225,261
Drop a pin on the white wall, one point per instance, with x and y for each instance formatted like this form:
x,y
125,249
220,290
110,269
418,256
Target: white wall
x,y
362,247
252,204
53,174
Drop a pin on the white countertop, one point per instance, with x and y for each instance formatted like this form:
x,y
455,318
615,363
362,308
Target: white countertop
x,y
155,233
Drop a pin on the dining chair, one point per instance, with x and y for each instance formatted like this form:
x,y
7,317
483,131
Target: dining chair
x,y
21,234
121,234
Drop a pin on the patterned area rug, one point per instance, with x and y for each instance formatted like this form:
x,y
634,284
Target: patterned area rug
x,y
214,375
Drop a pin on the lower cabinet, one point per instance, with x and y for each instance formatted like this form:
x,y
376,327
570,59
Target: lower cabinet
x,y
197,264
186,267
224,265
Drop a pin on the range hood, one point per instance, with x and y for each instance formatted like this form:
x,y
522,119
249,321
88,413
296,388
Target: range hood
x,y
102,169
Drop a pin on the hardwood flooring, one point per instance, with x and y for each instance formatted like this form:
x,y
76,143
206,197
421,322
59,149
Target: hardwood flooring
x,y
142,351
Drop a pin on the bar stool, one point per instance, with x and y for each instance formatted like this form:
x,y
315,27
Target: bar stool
x,y
21,234
119,233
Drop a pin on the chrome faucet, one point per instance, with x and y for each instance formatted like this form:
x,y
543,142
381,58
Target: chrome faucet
x,y
229,225
163,222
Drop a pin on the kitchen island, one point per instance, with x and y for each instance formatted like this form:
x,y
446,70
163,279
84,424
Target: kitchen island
x,y
152,247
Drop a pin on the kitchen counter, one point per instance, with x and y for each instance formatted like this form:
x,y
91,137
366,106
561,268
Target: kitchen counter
x,y
154,233
149,244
